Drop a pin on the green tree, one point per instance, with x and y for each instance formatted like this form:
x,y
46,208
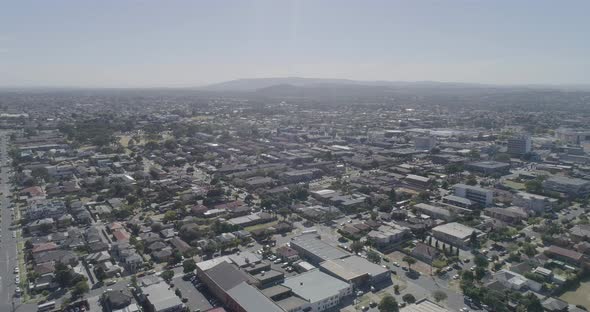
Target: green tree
x,y
410,261
373,256
388,304
170,215
189,265
167,275
80,288
357,246
409,298
481,261
439,295
392,195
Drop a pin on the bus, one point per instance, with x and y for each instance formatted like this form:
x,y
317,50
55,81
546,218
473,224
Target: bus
x,y
47,306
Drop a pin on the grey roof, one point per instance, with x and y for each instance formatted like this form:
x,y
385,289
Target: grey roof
x,y
227,275
490,164
455,229
318,247
249,298
291,303
424,305
567,180
459,199
353,266
315,285
161,297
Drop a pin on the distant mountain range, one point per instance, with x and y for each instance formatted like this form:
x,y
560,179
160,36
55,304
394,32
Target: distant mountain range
x,y
258,84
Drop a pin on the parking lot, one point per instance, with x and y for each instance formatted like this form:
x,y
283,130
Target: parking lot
x,y
195,298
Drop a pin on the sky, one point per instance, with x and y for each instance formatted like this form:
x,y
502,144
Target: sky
x,y
173,43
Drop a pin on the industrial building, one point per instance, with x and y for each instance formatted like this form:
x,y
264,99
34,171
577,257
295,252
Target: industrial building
x,y
356,270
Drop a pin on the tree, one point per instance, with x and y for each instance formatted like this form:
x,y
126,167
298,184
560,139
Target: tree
x,y
534,186
409,298
410,261
188,265
100,273
529,249
388,304
357,246
170,215
167,275
80,288
481,261
40,173
392,195
373,256
473,239
471,180
439,295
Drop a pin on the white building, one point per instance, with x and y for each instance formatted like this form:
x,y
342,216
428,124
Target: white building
x,y
482,196
519,145
321,290
454,233
533,202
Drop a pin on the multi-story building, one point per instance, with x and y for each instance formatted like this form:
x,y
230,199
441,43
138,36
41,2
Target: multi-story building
x,y
424,143
573,187
533,202
454,233
572,136
519,145
479,195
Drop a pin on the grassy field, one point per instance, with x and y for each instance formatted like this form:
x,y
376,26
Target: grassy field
x,y
514,185
261,226
578,296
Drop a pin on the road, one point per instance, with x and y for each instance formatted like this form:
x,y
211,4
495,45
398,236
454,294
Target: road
x,y
8,257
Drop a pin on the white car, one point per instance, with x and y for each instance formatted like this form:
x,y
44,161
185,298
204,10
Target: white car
x,y
16,270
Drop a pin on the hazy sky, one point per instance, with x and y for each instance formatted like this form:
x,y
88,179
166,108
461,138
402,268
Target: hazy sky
x,y
191,43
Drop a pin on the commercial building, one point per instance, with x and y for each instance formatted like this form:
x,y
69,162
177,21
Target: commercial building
x,y
356,270
533,202
572,136
489,167
417,181
424,143
481,196
435,212
424,305
519,145
457,201
246,298
454,233
314,250
320,290
223,277
388,234
571,186
159,298
511,215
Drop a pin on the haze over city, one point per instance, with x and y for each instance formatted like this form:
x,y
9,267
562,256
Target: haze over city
x,y
196,43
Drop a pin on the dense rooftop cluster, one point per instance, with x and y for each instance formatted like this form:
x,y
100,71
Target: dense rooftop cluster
x,y
232,203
